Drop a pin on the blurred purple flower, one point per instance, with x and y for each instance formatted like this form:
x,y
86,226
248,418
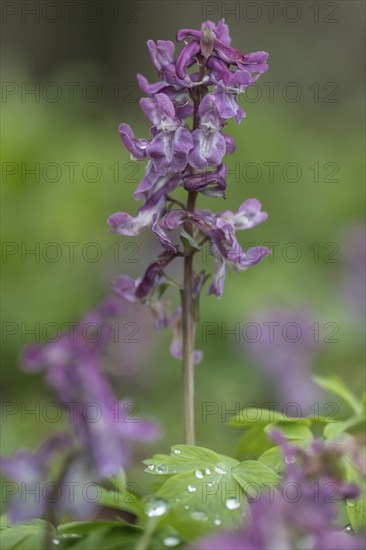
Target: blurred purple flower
x,y
73,367
285,349
295,514
30,472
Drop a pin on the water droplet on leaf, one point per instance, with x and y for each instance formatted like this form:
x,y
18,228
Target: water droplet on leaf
x,y
171,541
192,488
221,468
232,504
156,507
199,474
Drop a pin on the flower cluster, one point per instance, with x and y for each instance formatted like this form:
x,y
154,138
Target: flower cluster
x,y
204,83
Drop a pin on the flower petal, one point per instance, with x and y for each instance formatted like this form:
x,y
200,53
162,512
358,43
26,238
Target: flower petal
x,y
137,147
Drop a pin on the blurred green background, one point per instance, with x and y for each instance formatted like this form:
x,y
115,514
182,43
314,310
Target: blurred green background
x,y
307,110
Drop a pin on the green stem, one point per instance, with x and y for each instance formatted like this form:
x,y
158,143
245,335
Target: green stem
x,y
144,540
188,337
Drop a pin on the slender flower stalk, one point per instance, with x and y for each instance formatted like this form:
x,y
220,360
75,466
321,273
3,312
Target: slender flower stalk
x,y
191,158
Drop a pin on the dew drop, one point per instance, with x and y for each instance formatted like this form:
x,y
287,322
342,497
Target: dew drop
x,y
156,507
192,488
208,471
151,466
199,474
198,515
177,451
161,469
55,542
232,504
186,507
221,468
217,521
351,502
171,541
290,459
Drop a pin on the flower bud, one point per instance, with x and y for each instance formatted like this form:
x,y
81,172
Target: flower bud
x,y
207,41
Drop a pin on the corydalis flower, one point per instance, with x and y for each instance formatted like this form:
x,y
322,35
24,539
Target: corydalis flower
x,y
73,367
220,230
286,351
209,144
219,46
179,155
30,471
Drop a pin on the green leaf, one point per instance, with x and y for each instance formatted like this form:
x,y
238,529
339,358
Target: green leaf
x,y
335,385
121,500
352,425
28,536
298,434
183,458
273,459
201,487
252,443
109,535
356,509
253,476
190,240
215,497
255,417
364,403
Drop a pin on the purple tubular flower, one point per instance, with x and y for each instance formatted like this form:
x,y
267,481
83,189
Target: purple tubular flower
x,y
171,144
124,224
142,289
186,57
212,184
137,147
30,472
221,31
219,49
220,229
218,282
209,145
161,53
228,86
146,186
249,215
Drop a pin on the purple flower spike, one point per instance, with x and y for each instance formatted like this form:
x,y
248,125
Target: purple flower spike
x,y
74,374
